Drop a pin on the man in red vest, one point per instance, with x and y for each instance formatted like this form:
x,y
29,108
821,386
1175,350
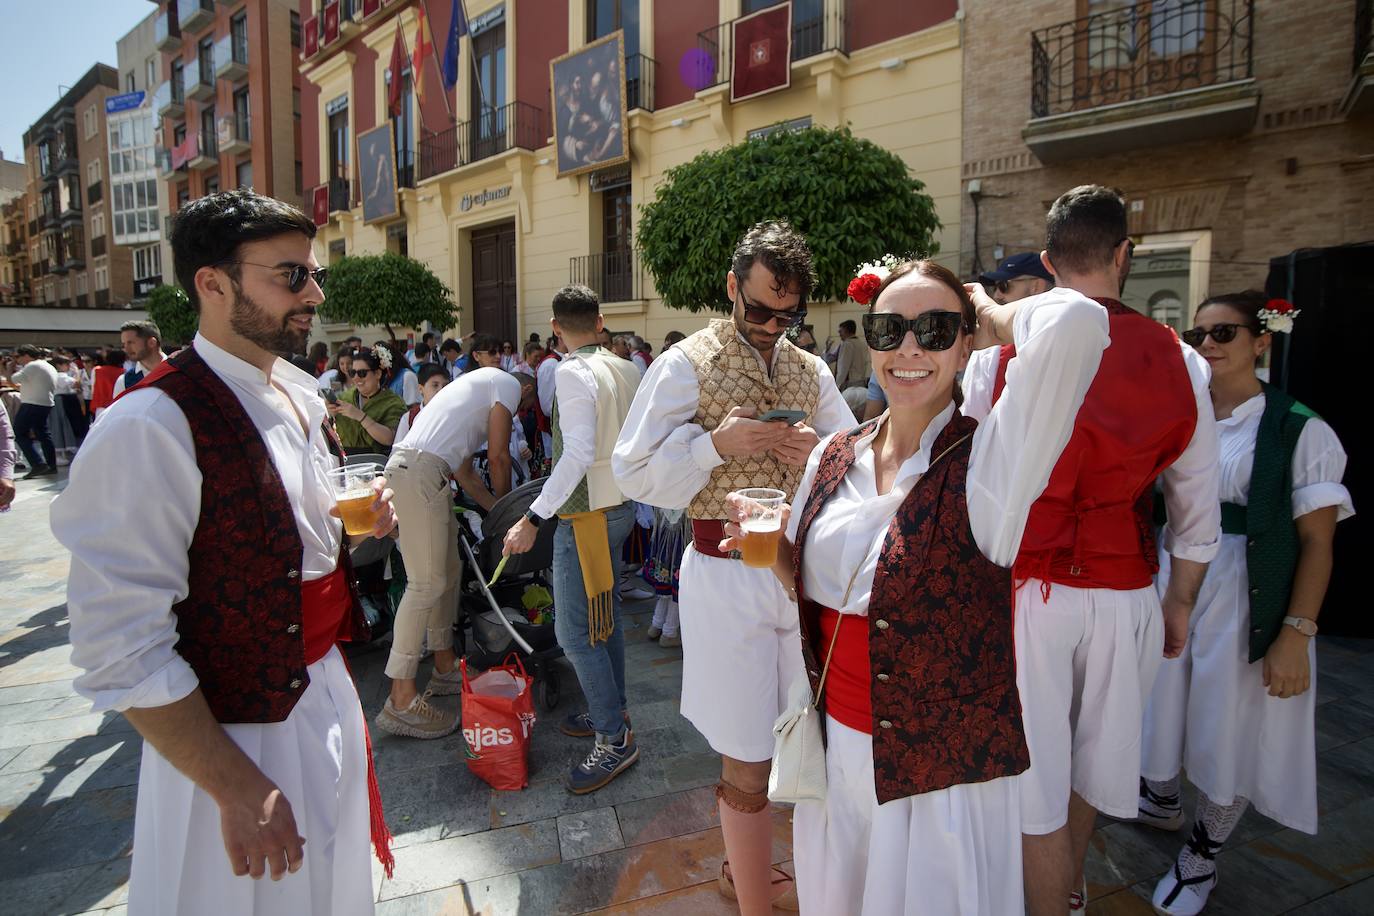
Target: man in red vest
x,y
1089,628
212,623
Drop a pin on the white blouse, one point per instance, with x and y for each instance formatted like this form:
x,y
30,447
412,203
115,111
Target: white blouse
x,y
1318,462
1059,338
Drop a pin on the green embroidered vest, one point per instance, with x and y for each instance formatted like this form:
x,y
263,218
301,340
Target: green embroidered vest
x,y
1271,547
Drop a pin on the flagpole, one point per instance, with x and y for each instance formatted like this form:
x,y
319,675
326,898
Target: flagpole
x,y
430,24
405,49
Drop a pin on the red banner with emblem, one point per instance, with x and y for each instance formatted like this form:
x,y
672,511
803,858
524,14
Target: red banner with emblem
x,y
762,52
319,204
310,36
331,22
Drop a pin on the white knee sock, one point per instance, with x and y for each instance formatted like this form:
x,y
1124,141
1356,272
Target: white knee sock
x,y
661,611
670,621
1162,794
1211,827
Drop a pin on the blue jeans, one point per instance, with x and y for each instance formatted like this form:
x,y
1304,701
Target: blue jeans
x,y
600,668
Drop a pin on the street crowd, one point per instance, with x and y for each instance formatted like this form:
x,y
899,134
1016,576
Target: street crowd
x,y
1033,556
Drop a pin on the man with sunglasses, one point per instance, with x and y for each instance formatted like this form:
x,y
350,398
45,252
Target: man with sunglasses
x,y
1018,277
213,623
1090,628
694,435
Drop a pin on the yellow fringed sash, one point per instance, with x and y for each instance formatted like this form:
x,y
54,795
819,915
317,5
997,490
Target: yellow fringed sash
x,y
598,572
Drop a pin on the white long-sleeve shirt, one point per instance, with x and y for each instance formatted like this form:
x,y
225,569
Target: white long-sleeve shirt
x,y
1059,343
664,459
127,573
576,390
1189,484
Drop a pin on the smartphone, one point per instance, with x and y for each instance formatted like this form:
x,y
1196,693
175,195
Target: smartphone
x,y
786,416
331,395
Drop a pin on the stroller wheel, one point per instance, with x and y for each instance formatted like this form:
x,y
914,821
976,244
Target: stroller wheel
x,y
547,689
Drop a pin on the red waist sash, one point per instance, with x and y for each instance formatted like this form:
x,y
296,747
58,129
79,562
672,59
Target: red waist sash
x,y
706,537
848,691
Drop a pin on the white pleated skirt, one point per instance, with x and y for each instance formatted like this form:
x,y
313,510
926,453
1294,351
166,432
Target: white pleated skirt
x,y
317,758
1211,713
955,852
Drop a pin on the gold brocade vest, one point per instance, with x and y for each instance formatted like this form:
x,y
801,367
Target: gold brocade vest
x,y
729,374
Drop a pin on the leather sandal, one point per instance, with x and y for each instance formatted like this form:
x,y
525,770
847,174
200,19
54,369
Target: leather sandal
x,y
787,900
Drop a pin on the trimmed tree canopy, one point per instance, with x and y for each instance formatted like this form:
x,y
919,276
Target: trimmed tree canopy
x,y
853,200
170,309
387,290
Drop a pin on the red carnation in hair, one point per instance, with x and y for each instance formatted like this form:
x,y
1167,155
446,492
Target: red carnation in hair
x,y
862,288
1282,306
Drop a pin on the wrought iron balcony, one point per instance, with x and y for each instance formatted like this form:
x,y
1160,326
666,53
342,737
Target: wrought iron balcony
x,y
231,57
640,71
615,276
166,29
811,35
516,124
193,14
1145,75
340,194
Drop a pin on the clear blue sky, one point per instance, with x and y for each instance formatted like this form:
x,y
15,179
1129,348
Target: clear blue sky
x,y
49,43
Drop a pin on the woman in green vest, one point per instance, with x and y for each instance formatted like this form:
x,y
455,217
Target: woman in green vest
x,y
366,414
1238,707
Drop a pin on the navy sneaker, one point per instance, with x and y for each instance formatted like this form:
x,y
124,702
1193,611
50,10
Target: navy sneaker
x,y
579,725
606,761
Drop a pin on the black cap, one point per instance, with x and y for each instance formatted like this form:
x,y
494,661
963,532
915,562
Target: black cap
x,y
1019,265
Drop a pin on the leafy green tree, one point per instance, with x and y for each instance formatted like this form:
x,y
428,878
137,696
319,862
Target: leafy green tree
x,y
170,309
387,289
853,200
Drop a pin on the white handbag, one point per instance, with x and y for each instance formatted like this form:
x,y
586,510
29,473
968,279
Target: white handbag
x,y
798,772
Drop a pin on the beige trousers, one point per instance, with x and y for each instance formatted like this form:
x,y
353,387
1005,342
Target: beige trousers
x,y
429,546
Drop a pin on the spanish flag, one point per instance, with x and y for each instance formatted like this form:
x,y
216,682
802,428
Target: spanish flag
x,y
424,53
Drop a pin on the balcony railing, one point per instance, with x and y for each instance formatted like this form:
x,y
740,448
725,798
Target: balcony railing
x,y
614,276
640,71
405,168
166,29
192,14
206,154
234,134
517,124
1140,52
169,100
94,192
340,194
810,36
231,57
200,80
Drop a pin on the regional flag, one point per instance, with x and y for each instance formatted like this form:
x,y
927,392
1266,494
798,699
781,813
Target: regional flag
x,y
398,65
457,27
424,52
762,52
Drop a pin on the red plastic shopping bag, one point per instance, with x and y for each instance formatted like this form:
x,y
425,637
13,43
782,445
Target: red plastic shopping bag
x,y
498,717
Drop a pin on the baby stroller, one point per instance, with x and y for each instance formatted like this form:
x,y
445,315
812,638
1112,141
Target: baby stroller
x,y
499,626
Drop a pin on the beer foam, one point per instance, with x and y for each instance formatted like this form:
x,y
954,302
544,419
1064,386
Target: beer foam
x,y
762,525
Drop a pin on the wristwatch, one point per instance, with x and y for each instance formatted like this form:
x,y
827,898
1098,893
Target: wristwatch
x,y
533,518
1302,625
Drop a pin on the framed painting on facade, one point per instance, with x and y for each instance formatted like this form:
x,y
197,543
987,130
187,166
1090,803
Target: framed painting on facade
x,y
377,174
589,115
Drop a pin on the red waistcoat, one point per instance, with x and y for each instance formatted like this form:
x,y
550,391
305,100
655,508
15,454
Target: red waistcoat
x,y
1091,527
240,625
945,707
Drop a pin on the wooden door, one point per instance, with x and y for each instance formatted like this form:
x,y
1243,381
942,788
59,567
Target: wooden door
x,y
493,281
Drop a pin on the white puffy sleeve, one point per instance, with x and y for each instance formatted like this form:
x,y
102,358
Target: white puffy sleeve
x,y
1318,466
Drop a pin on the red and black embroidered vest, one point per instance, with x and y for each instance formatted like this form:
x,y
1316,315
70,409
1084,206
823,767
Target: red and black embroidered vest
x,y
1092,526
240,625
946,711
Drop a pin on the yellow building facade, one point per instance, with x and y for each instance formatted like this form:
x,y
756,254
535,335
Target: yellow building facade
x,y
903,93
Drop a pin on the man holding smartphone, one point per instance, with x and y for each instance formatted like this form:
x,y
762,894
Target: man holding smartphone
x,y
696,432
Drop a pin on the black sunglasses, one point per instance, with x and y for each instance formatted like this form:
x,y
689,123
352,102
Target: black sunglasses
x,y
359,373
296,274
1221,333
759,314
936,330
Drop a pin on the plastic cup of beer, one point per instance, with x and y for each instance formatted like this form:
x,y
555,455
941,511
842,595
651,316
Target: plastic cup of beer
x,y
762,525
354,495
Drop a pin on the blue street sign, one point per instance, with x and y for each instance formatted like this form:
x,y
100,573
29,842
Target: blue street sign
x,y
125,102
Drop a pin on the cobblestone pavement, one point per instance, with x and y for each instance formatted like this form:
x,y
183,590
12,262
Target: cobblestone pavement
x,y
647,843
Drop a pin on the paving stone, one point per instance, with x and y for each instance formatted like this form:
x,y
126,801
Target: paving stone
x,y
116,748
652,819
91,807
1120,855
588,833
429,866
1130,901
103,889
439,818
643,780
22,734
1342,721
1345,774
41,710
85,844
1356,900
39,892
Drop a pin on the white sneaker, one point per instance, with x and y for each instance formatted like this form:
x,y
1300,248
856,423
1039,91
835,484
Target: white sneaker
x,y
1179,896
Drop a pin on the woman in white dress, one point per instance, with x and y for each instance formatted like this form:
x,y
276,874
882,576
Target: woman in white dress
x,y
1238,707
908,525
